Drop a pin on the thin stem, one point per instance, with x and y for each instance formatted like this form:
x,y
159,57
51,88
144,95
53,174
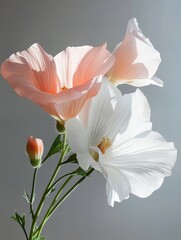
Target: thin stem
x,y
53,202
69,192
33,192
53,208
47,188
24,230
66,175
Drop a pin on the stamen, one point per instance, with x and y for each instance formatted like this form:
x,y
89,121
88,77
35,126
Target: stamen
x,y
103,146
64,88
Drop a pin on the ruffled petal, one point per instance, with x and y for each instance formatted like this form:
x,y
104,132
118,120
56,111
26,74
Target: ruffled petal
x,y
136,60
31,73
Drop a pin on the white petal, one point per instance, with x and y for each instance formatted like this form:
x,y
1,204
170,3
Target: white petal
x,y
117,186
134,29
84,160
106,114
96,114
156,81
78,140
138,118
145,160
145,82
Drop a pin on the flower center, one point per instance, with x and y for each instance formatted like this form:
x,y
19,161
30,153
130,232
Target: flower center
x,y
103,146
64,88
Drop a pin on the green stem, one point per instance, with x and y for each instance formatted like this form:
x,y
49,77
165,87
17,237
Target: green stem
x,y
69,191
33,192
53,202
52,208
46,189
24,230
66,175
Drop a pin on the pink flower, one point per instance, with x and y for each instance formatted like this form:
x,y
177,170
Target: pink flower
x,y
62,84
34,149
136,60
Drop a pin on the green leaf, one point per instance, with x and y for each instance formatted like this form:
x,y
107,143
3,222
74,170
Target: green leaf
x,y
19,219
55,148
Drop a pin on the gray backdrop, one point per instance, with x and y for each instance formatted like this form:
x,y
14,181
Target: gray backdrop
x,y
56,24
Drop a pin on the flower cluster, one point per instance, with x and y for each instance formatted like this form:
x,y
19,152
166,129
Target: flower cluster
x,y
108,131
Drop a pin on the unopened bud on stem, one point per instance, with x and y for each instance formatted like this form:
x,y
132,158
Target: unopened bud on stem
x,y
34,149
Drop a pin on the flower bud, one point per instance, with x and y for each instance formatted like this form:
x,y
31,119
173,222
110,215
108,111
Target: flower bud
x,y
34,149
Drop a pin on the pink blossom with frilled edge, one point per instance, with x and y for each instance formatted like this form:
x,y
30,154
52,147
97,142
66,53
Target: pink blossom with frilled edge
x,y
60,85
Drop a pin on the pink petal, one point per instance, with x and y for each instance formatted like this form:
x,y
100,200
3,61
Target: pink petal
x,y
96,62
30,72
135,59
77,65
69,102
67,63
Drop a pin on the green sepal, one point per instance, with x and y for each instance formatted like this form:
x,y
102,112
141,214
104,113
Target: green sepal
x,y
60,126
35,163
71,159
81,172
56,147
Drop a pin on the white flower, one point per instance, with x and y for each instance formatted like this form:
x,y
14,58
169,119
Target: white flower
x,y
113,134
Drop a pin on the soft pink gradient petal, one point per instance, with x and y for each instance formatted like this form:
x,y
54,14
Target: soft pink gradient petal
x,y
77,65
69,102
60,85
67,63
29,70
96,62
136,60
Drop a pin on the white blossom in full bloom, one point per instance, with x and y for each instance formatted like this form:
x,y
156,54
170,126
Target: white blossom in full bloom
x,y
113,134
